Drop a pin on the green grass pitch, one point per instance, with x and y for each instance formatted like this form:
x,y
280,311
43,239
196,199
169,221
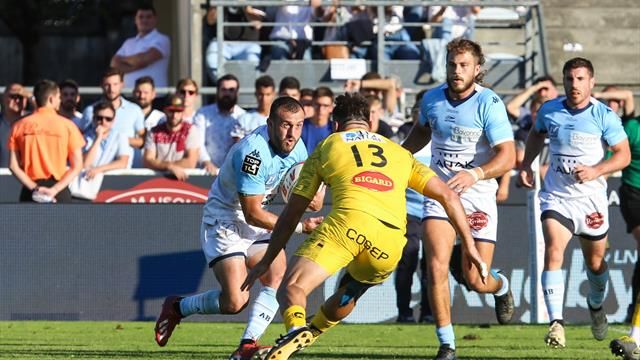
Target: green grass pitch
x,y
191,340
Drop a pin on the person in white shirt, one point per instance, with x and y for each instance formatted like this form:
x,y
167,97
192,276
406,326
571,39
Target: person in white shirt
x,y
147,53
218,123
145,93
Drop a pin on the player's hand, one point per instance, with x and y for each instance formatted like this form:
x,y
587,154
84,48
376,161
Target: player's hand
x,y
179,172
474,256
525,177
584,173
254,274
308,225
318,199
48,192
461,181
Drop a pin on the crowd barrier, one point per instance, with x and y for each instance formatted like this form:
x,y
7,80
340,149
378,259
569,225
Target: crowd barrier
x,y
117,261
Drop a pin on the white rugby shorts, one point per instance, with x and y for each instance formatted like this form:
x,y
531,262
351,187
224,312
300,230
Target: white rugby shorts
x,y
585,216
481,210
227,238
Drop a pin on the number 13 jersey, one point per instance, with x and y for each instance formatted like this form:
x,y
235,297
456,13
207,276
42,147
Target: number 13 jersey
x,y
365,172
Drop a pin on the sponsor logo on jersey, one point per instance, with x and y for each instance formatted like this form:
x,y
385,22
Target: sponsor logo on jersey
x,y
373,180
594,220
462,133
579,138
478,220
354,136
251,163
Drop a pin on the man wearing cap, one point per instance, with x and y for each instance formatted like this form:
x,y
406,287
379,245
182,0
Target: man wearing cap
x,y
174,145
14,103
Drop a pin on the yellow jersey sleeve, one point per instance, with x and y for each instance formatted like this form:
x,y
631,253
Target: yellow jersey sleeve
x,y
310,177
420,176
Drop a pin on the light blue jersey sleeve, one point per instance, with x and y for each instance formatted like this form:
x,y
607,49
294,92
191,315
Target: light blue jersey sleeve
x,y
497,127
541,119
250,170
612,129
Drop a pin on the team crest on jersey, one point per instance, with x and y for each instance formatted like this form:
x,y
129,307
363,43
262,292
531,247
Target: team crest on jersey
x,y
553,131
354,136
373,180
478,220
251,163
594,220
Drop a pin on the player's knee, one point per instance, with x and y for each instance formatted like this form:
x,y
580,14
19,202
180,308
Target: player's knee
x,y
273,278
353,289
437,270
234,304
474,283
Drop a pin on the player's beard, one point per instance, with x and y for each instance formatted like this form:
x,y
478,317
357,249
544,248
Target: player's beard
x,y
227,103
459,88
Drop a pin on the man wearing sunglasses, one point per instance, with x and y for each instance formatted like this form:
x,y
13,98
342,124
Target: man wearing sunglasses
x,y
14,101
107,148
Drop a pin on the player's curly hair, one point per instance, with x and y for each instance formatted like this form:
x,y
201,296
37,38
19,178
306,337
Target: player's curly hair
x,y
351,107
460,45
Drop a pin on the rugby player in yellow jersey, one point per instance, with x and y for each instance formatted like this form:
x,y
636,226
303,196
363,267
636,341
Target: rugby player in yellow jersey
x,y
364,232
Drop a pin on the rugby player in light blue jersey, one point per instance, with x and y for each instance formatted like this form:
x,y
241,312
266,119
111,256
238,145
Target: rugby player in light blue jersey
x,y
471,145
573,199
236,227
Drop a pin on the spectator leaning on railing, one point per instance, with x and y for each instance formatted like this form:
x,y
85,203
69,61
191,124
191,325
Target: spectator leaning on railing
x,y
45,178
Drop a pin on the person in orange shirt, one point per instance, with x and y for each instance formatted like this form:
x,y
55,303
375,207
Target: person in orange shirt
x,y
40,145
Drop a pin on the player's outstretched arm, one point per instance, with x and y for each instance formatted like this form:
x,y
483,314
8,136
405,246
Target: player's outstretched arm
x,y
285,226
418,137
535,142
439,191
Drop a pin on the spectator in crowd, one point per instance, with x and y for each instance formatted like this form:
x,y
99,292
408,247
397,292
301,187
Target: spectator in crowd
x,y
245,37
379,217
411,259
188,89
630,202
574,197
70,100
306,99
147,53
318,127
40,146
293,41
289,86
106,149
394,32
173,145
457,21
542,90
265,92
485,152
236,226
217,122
372,83
14,102
376,113
129,117
144,93
619,100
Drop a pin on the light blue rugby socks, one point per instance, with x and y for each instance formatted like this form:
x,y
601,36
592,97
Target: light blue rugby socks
x,y
446,336
597,287
261,314
204,303
553,289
